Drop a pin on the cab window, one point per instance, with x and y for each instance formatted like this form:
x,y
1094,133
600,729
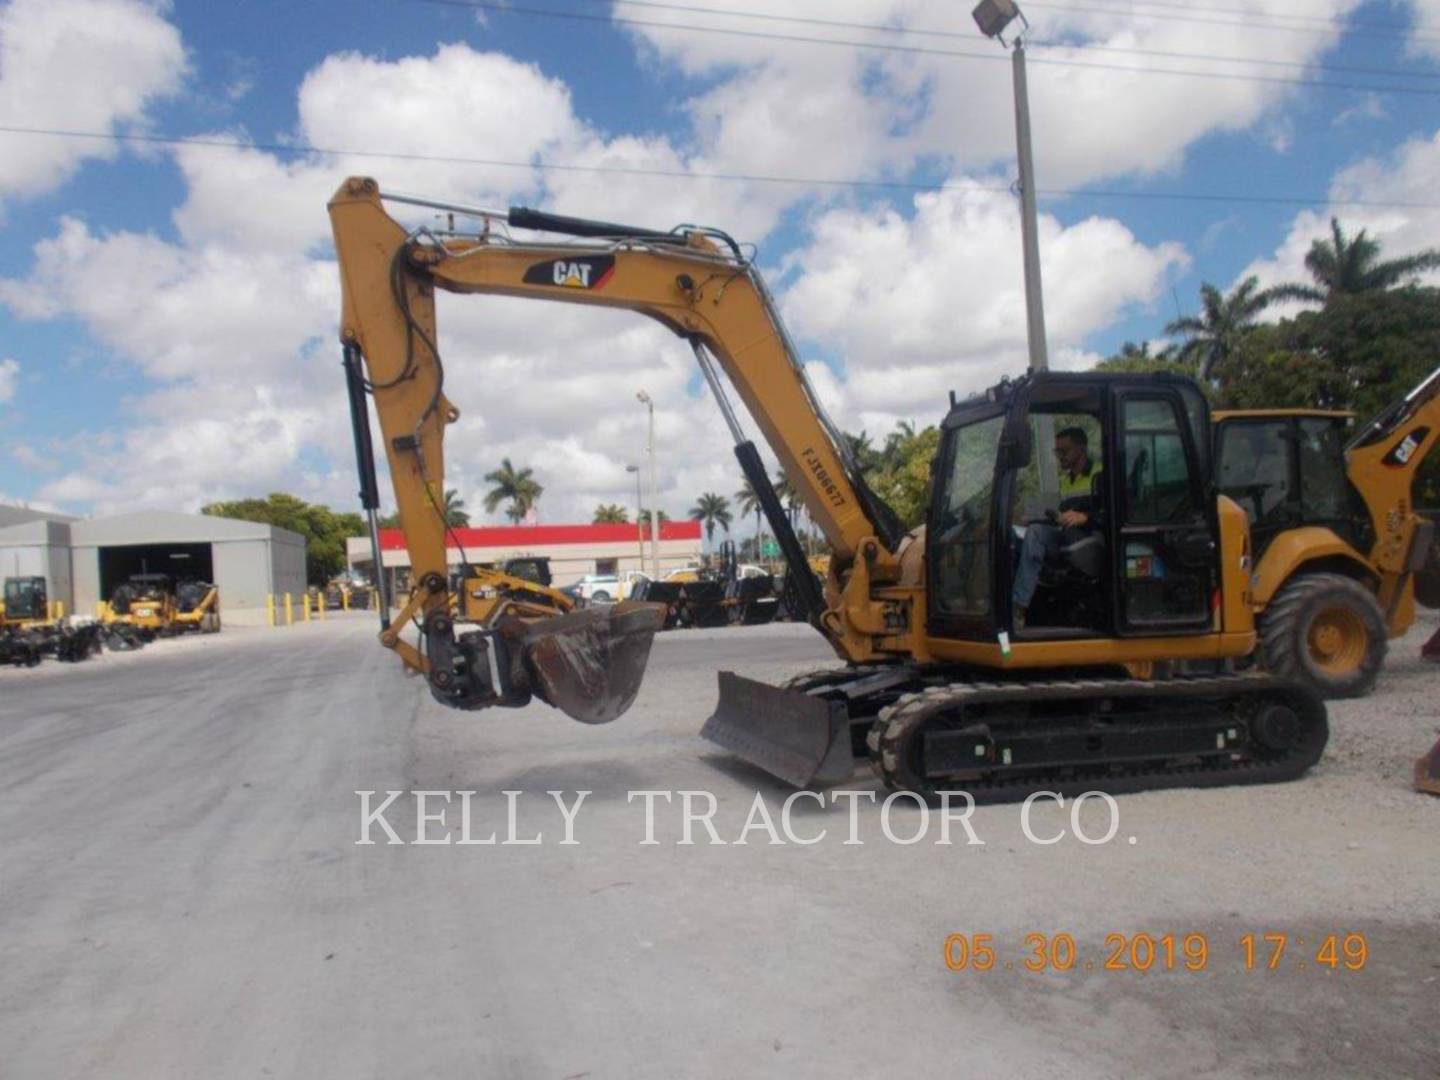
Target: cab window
x,y
961,542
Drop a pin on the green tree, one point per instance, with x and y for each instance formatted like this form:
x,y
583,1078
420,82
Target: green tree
x,y
1138,359
1215,333
1348,266
455,515
517,486
903,479
611,514
749,503
324,530
712,509
645,519
789,496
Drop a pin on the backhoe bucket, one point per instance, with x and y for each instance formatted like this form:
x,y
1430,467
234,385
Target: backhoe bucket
x,y
801,739
589,663
1427,771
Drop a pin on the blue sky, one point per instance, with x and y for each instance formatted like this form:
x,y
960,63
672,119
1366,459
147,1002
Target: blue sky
x,y
167,311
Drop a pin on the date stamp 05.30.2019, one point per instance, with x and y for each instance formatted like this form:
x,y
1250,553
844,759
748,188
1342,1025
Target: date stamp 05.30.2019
x,y
1144,952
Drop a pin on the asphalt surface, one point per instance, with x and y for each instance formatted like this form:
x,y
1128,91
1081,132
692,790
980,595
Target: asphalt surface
x,y
182,894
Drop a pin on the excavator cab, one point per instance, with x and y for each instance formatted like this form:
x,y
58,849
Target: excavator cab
x,y
1144,562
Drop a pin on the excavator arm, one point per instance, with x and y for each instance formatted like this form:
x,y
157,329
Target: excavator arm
x,y
693,281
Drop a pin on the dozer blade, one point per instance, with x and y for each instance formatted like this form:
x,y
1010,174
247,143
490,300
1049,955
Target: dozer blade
x,y
1427,771
801,739
589,663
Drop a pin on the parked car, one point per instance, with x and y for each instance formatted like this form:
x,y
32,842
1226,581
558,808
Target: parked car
x,y
597,588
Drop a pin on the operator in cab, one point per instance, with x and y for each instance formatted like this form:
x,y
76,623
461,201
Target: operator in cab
x,y
1079,514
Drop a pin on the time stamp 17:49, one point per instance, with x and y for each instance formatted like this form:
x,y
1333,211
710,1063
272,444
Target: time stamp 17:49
x,y
1142,952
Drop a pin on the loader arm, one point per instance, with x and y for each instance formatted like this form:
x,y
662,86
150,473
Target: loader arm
x,y
1381,462
693,281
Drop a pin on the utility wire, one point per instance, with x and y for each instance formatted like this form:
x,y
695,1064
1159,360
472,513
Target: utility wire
x,y
297,149
582,16
1398,29
880,28
1356,29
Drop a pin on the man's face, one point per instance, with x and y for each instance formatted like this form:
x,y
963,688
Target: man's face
x,y
1070,454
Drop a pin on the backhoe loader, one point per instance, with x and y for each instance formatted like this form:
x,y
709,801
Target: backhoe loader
x,y
197,607
1337,541
942,687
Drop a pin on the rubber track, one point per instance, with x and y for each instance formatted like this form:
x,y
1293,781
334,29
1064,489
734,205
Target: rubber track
x,y
901,721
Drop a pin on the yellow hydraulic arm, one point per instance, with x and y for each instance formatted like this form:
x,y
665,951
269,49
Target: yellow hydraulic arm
x,y
1382,461
694,281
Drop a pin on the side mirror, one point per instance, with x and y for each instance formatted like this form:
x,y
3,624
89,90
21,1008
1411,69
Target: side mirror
x,y
1017,442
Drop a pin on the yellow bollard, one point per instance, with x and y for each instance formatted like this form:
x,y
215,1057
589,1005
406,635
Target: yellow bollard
x,y
320,607
270,608
305,607
345,599
289,611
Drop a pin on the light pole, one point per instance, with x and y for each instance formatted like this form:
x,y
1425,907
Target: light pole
x,y
649,404
993,16
639,514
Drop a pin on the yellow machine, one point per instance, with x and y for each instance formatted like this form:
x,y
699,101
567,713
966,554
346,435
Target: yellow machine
x,y
145,602
26,603
1337,541
942,687
197,607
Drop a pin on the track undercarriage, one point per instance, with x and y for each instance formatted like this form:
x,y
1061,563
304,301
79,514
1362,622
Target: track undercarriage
x,y
930,730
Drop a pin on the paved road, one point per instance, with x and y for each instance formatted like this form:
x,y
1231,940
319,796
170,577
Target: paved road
x,y
181,893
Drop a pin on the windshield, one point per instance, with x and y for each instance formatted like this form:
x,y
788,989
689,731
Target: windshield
x,y
961,543
25,597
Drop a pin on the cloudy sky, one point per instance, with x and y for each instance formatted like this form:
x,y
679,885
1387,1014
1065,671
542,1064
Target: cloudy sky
x,y
168,296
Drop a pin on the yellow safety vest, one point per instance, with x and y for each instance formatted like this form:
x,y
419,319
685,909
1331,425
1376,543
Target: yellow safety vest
x,y
1080,485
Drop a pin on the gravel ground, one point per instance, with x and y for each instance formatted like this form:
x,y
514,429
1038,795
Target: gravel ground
x,y
181,893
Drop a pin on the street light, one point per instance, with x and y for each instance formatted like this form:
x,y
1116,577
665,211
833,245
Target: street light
x,y
993,16
639,514
649,404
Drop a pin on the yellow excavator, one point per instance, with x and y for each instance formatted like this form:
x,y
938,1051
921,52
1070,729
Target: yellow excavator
x,y
1119,676
1338,541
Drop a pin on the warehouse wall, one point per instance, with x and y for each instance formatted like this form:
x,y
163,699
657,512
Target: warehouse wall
x,y
40,549
242,571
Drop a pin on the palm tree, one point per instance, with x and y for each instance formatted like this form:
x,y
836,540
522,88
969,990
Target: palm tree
x,y
519,486
896,443
862,449
1214,334
712,509
1344,266
611,514
455,515
789,497
750,504
645,518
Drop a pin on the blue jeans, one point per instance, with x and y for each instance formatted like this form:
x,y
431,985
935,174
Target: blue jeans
x,y
1040,540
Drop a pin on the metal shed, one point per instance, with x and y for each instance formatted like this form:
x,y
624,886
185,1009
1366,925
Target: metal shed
x,y
248,561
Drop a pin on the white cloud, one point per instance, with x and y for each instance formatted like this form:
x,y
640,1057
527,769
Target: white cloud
x,y
858,113
1411,174
1425,36
921,305
236,320
9,378
87,65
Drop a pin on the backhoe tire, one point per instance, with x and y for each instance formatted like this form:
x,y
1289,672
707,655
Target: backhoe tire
x,y
1326,631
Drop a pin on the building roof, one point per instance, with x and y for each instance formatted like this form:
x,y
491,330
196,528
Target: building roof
x,y
534,536
166,527
23,515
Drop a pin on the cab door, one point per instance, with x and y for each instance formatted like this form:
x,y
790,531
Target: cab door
x,y
1167,551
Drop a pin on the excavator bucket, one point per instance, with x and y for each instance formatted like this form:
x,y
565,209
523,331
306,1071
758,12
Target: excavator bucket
x,y
1427,771
801,739
589,663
